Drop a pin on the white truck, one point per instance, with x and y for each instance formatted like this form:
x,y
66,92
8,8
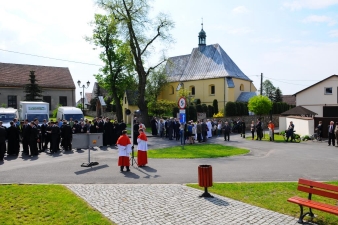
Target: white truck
x,y
67,112
7,115
32,110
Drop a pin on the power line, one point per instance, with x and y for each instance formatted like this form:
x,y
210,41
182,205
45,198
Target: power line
x,y
65,60
286,82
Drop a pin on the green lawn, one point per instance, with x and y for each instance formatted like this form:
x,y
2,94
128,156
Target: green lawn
x,y
278,138
45,204
196,151
272,196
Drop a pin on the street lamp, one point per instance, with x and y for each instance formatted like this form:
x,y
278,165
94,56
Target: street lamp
x,y
83,87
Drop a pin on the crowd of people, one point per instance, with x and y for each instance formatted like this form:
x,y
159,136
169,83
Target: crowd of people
x,y
201,130
53,136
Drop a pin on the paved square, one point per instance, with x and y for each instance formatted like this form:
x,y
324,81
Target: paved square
x,y
171,204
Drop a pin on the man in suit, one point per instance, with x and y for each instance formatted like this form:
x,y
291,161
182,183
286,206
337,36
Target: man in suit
x,y
331,129
13,140
204,131
33,139
226,130
3,135
66,135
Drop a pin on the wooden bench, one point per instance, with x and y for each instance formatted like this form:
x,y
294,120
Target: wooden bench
x,y
315,188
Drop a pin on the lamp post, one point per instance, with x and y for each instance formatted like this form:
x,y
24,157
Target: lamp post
x,y
83,87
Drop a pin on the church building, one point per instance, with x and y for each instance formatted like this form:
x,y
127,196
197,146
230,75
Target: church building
x,y
208,73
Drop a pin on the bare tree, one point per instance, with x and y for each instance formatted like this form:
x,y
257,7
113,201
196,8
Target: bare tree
x,y
142,33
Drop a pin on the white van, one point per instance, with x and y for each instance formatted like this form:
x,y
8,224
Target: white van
x,y
7,115
67,112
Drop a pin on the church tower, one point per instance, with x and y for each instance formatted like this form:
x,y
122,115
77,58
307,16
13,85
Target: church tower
x,y
202,37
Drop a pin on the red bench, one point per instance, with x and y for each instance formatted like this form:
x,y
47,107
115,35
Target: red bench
x,y
315,188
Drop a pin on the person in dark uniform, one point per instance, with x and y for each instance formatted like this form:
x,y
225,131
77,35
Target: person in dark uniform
x,y
39,144
25,137
47,136
3,135
204,131
259,130
13,140
43,127
107,133
153,123
92,128
76,127
33,139
170,128
332,137
55,137
99,126
227,130
243,126
66,135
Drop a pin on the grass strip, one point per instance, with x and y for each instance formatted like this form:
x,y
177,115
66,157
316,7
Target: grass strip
x,y
196,151
278,138
45,204
272,196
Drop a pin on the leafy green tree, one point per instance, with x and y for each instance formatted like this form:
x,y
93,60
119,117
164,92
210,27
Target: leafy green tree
x,y
175,111
215,105
269,90
161,107
260,105
199,108
115,76
278,95
33,90
142,33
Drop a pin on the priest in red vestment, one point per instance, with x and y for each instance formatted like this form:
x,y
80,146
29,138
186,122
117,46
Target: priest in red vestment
x,y
124,146
142,147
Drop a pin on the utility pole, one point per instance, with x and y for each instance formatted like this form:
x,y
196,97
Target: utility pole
x,y
261,84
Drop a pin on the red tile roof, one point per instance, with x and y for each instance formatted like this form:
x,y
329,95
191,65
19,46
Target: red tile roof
x,y
17,75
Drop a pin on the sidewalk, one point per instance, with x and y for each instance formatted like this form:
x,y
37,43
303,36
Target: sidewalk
x,y
159,204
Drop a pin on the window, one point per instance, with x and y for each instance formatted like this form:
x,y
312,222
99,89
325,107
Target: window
x,y
47,99
171,90
241,87
212,89
63,100
192,90
125,100
12,102
328,90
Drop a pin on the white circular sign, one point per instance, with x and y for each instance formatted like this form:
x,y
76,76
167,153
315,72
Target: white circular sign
x,y
182,103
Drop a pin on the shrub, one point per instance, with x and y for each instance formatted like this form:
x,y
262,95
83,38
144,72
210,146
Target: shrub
x,y
282,132
55,111
306,137
219,115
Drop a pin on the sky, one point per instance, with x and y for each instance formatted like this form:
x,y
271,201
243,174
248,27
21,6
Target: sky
x,y
294,43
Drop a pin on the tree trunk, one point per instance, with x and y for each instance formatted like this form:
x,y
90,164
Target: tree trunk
x,y
119,113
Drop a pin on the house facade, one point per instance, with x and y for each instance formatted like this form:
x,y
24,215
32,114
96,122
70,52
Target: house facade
x,y
56,82
321,97
208,73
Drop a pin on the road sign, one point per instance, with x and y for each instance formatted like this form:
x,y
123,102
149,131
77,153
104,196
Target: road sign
x,y
182,103
182,110
182,118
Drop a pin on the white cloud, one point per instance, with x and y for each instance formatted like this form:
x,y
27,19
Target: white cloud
x,y
319,19
311,4
333,33
240,10
242,30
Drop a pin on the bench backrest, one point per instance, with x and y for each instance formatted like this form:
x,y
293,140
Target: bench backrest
x,y
318,188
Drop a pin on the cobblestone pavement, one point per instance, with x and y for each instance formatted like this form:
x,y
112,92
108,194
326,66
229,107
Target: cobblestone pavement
x,y
171,204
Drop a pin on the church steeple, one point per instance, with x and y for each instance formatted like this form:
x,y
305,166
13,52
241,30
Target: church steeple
x,y
202,37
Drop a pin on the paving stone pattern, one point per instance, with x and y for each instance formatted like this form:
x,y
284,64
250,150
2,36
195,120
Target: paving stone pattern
x,y
149,204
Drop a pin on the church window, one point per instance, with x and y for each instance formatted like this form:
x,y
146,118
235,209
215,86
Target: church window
x,y
241,87
192,90
171,90
212,89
